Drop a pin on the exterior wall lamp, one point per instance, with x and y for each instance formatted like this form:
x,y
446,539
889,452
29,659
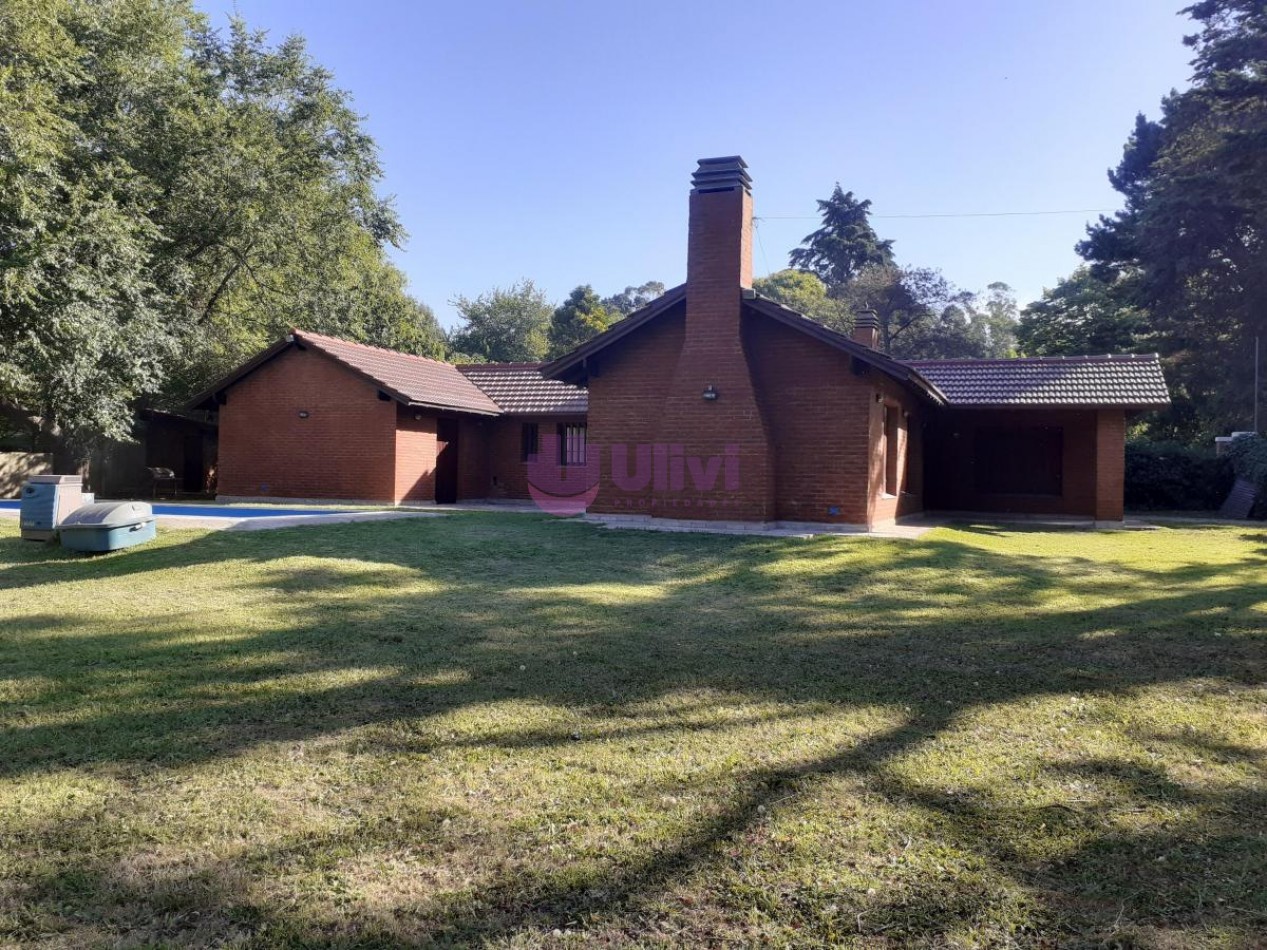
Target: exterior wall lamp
x,y
710,394
303,413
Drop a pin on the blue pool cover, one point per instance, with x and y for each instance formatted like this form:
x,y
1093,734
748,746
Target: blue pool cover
x,y
222,511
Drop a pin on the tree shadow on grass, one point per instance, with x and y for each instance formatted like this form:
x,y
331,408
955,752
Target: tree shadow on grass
x,y
525,612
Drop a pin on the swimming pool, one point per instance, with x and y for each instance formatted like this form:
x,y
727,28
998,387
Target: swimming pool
x,y
222,511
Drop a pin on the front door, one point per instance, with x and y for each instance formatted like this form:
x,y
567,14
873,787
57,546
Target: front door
x,y
446,461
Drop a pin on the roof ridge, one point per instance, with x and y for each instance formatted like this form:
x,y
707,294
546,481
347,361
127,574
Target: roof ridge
x,y
1083,358
498,366
309,334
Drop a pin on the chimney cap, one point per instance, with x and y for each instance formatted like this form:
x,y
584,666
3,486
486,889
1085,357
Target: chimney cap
x,y
726,173
866,318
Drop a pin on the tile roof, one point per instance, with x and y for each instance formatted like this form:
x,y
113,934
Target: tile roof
x,y
414,380
1126,380
519,389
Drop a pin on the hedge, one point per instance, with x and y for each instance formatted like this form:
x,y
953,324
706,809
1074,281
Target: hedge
x,y
1164,476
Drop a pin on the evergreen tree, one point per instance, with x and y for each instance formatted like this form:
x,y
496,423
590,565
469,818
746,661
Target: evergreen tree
x,y
581,317
1191,240
1081,315
844,245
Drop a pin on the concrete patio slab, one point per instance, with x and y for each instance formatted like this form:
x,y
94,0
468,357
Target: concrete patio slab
x,y
316,519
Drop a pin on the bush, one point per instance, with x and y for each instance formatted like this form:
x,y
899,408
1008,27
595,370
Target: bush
x,y
1248,455
1165,476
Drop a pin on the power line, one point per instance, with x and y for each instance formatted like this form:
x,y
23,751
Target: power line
x,y
944,214
760,243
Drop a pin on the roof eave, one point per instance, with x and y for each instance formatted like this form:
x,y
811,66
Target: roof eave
x,y
443,407
1129,406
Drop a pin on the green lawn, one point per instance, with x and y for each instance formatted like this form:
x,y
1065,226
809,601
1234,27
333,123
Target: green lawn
x,y
512,731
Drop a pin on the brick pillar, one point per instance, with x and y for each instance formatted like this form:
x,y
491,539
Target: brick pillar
x,y
1110,465
711,421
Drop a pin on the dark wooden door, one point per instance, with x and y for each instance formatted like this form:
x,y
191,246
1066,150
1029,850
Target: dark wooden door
x,y
446,461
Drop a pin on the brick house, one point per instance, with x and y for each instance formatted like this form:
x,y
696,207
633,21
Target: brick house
x,y
710,403
315,417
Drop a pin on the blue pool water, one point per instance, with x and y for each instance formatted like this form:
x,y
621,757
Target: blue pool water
x,y
219,511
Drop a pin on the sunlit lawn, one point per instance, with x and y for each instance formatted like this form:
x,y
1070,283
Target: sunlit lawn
x,y
508,730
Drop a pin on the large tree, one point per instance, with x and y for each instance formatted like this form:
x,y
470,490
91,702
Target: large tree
x,y
85,326
579,318
633,298
807,295
844,245
1083,314
1191,240
924,316
509,325
170,199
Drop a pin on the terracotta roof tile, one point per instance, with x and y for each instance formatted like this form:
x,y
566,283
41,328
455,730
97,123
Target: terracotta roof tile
x,y
1119,380
519,389
415,380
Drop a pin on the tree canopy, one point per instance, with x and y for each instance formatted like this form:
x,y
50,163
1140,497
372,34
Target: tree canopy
x,y
844,245
1083,314
1187,254
172,197
579,318
845,267
806,294
505,325
633,298
923,315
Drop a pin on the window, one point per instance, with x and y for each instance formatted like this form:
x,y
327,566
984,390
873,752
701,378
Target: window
x,y
891,447
529,441
572,444
1019,461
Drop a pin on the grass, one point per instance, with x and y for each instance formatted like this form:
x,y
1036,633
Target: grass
x,y
504,730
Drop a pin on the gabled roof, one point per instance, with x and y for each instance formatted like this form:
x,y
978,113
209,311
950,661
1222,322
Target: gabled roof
x,y
1128,380
519,389
572,364
890,367
412,380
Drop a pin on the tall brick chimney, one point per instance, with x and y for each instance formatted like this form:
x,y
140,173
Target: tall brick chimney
x,y
712,411
719,245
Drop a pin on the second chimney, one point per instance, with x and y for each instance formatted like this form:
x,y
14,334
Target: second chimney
x,y
866,328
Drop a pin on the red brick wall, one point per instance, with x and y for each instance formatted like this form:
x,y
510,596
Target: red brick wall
x,y
1110,464
819,419
626,393
719,263
507,471
824,423
344,449
951,474
883,507
415,455
416,452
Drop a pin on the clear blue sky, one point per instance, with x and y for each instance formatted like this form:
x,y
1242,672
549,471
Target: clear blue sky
x,y
556,140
